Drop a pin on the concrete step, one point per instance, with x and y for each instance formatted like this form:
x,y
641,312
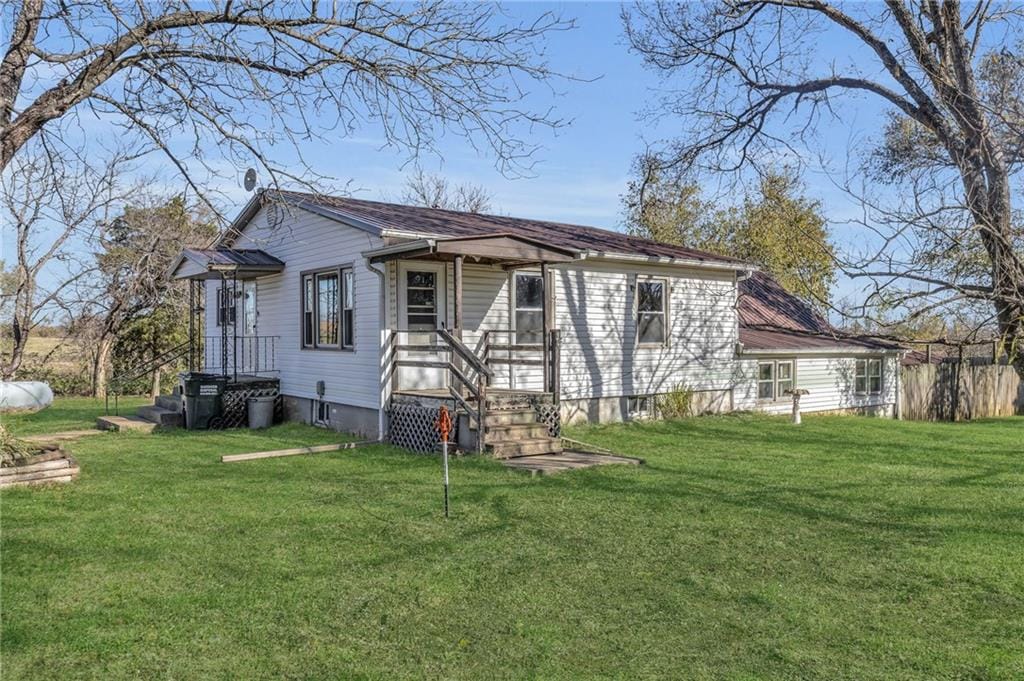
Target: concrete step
x,y
170,402
165,418
515,432
509,417
508,450
132,423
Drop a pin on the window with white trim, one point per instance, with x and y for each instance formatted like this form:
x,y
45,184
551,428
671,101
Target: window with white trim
x,y
651,311
529,308
225,306
328,309
774,379
867,376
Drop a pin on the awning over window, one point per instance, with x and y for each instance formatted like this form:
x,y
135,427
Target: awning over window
x,y
214,263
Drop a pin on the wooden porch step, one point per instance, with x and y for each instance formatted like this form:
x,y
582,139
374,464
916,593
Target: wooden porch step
x,y
531,447
510,417
515,432
132,423
165,418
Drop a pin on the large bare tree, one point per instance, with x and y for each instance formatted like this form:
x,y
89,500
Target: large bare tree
x,y
764,83
248,76
436,191
52,202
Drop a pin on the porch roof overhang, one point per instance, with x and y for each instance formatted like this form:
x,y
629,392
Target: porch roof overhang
x,y
504,249
216,263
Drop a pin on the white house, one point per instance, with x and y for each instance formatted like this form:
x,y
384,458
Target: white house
x,y
365,311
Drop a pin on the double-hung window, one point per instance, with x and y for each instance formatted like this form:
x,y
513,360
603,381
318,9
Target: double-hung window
x,y
651,311
867,377
774,379
529,308
225,306
328,308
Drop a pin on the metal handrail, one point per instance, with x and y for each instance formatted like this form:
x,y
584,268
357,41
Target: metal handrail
x,y
164,358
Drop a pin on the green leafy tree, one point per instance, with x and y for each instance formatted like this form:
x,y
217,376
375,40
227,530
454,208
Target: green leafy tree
x,y
138,248
774,227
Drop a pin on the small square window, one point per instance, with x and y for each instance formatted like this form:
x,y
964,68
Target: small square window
x,y
639,406
867,377
775,379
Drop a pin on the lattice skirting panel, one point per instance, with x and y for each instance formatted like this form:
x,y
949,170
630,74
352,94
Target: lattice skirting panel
x,y
549,414
412,427
235,412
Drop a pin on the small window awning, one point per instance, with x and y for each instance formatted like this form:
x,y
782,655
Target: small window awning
x,y
505,249
214,263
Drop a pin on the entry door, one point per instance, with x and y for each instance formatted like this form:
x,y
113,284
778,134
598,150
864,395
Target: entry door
x,y
421,308
249,309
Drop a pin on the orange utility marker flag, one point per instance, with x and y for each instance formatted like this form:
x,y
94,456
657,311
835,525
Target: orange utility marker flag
x,y
444,427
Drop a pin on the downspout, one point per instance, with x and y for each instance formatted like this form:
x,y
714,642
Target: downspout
x,y
898,407
381,332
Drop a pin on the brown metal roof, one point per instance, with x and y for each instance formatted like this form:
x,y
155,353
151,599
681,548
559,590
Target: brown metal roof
x,y
766,339
772,318
210,263
763,302
421,221
244,257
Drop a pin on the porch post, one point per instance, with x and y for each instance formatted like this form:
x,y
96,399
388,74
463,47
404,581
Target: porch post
x,y
546,326
222,319
191,324
458,296
234,325
457,276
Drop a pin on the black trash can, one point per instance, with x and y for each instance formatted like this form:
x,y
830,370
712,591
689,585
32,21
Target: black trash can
x,y
204,398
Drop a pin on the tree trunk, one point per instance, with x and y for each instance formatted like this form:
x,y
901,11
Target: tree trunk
x,y
154,390
12,362
99,367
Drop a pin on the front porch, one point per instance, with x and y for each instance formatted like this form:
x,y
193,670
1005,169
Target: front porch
x,y
472,327
244,360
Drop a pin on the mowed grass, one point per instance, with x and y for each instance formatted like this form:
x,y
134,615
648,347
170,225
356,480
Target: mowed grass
x,y
745,548
66,414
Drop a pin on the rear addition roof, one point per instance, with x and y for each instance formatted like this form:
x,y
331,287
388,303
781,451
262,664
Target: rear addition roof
x,y
773,319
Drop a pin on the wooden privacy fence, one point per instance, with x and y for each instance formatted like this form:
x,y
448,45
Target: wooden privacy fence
x,y
956,391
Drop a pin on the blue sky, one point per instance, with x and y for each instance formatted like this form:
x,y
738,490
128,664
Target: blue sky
x,y
582,169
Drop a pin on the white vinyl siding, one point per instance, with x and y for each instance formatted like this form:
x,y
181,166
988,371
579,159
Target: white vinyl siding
x,y
829,380
595,312
309,242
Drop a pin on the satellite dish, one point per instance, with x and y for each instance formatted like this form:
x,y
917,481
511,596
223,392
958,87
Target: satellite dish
x,y
250,179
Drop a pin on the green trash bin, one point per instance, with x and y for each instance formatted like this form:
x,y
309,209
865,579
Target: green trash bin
x,y
204,398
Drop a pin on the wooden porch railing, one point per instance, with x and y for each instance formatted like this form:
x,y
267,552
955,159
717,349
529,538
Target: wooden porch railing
x,y
472,374
474,388
546,355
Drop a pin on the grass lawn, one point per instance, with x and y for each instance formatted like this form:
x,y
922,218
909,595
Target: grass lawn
x,y
746,548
